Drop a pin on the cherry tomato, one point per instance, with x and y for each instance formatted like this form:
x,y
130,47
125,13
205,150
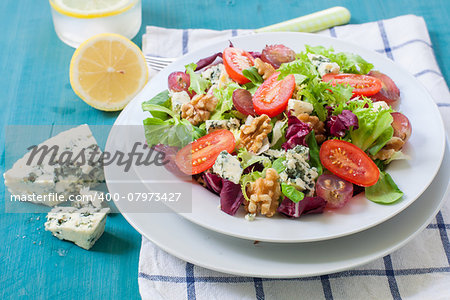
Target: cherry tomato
x,y
271,98
363,85
349,162
236,60
389,92
201,154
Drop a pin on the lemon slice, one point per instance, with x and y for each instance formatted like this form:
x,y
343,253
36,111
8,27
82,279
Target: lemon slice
x,y
91,8
107,71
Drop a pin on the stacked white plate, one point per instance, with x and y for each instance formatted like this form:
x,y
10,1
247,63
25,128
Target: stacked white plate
x,y
311,245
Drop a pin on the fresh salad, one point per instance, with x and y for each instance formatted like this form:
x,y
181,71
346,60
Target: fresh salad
x,y
281,132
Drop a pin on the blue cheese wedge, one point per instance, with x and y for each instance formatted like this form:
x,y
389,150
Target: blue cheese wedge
x,y
228,167
178,99
231,124
39,173
82,226
89,198
298,172
323,64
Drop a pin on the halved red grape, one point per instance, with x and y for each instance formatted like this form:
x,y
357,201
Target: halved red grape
x,y
179,81
277,54
401,125
242,100
389,91
335,190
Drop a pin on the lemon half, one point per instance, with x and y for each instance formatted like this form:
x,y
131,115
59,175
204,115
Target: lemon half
x,y
91,8
107,71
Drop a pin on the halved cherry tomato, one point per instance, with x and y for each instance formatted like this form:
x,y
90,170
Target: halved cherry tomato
x,y
236,60
271,98
349,162
363,85
201,154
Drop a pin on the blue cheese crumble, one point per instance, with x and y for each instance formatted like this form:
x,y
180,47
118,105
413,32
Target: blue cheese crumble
x,y
298,172
231,124
323,64
213,73
178,99
228,167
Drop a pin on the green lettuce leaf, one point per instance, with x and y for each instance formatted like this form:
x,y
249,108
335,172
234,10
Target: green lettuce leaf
x,y
198,83
172,131
291,192
348,62
162,99
385,191
224,96
253,75
314,158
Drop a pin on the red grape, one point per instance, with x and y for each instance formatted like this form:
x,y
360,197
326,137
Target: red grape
x,y
242,100
179,81
277,54
389,92
335,190
401,125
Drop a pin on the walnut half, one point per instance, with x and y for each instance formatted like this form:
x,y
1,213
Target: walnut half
x,y
264,69
199,108
253,134
264,194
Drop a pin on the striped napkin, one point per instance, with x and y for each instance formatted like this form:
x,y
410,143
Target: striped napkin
x,y
419,270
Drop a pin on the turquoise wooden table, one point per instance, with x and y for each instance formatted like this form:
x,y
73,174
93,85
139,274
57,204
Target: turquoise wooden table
x,y
34,82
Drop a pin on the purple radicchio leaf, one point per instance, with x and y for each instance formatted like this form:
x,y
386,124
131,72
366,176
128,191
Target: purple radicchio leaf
x,y
338,125
204,62
309,205
168,160
230,193
213,182
231,197
255,54
295,133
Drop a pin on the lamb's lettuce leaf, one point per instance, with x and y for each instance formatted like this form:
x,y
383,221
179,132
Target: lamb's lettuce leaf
x,y
385,191
291,192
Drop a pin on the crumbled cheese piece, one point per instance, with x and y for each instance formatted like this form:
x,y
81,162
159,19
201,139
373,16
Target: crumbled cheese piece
x,y
213,73
250,217
296,107
380,105
178,99
323,64
83,226
228,167
49,174
230,124
298,171
327,68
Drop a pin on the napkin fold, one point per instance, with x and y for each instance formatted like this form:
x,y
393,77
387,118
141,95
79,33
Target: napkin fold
x,y
419,270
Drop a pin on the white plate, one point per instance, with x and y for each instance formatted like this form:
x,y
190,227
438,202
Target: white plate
x,y
426,148
227,254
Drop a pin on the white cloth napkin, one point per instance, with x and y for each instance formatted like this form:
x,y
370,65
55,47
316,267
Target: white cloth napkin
x,y
422,267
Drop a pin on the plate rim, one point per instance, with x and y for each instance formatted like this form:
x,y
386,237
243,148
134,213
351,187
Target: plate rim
x,y
190,217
